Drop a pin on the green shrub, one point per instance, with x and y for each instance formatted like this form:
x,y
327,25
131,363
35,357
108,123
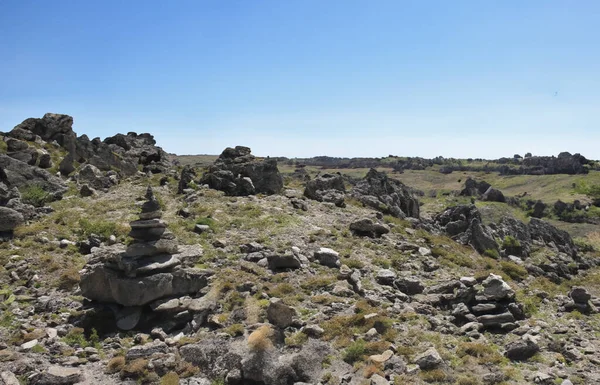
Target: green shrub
x,y
355,351
513,270
510,241
101,228
3,147
492,253
35,195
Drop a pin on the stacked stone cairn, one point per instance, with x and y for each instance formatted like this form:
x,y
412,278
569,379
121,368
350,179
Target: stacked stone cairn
x,y
493,308
147,278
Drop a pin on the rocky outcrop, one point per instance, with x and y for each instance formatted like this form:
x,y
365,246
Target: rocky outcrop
x,y
238,173
148,270
387,195
482,190
463,223
551,236
121,152
327,188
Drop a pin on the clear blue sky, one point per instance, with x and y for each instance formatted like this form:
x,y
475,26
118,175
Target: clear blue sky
x,y
304,78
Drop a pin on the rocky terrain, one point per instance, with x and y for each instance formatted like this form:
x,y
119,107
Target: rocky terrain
x,y
120,266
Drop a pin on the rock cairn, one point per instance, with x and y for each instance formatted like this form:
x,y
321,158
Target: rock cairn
x,y
150,269
494,307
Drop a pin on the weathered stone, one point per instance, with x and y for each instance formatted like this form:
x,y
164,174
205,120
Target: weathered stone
x,y
409,285
494,288
366,227
58,375
280,314
150,248
9,219
146,350
580,295
385,277
430,359
105,285
328,257
521,350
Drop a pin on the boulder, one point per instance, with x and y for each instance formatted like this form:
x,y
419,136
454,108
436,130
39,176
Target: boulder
x,y
494,288
280,314
548,234
327,257
521,350
430,359
19,174
580,295
493,195
367,228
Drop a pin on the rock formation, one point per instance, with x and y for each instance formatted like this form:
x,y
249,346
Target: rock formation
x,y
147,271
387,195
238,172
327,188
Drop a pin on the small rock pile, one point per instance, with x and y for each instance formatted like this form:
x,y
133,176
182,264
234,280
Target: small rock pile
x,y
494,307
581,300
148,270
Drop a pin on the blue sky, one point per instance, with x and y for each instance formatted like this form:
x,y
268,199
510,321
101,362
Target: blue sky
x,y
312,77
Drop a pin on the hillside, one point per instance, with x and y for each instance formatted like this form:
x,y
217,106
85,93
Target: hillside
x,y
128,268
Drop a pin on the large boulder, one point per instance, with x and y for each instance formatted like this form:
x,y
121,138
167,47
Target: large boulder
x,y
387,195
238,173
52,127
326,188
463,223
92,176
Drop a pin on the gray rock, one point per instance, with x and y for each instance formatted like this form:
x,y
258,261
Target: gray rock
x,y
385,277
146,350
287,261
328,257
280,314
57,375
9,378
9,219
386,195
496,319
521,350
580,295
494,288
409,285
106,285
366,227
326,188
430,359
150,248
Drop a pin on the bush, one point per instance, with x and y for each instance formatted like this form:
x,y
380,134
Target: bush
x,y
513,270
35,195
116,364
492,253
101,228
69,278
260,339
170,378
135,369
510,241
355,351
3,147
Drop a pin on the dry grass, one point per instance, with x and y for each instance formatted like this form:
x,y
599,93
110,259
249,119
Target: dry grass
x,y
260,339
135,369
115,364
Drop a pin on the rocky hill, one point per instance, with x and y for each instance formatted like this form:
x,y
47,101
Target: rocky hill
x,y
121,267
